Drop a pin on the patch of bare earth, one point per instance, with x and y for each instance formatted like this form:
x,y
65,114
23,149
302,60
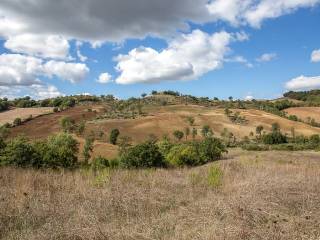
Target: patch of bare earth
x,y
263,195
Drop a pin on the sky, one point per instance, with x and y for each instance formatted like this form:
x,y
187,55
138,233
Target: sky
x,y
248,49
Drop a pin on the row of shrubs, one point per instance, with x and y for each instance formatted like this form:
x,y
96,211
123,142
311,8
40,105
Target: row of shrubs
x,y
61,151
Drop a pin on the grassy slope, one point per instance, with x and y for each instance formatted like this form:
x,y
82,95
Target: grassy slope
x,y
305,112
262,196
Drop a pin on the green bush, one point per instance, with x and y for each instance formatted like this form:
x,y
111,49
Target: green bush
x,y
99,163
276,137
60,151
114,136
67,124
17,121
210,149
181,155
19,152
143,155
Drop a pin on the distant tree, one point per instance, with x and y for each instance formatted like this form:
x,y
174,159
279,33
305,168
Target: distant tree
x,y
143,95
230,98
178,135
194,133
187,132
259,130
216,99
87,149
275,127
114,136
206,131
154,92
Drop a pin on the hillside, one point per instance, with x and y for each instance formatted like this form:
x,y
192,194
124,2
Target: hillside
x,y
305,113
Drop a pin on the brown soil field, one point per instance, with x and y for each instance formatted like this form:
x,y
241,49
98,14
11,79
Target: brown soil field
x,y
164,120
23,113
43,126
305,112
260,196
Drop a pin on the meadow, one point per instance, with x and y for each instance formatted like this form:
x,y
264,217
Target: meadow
x,y
246,195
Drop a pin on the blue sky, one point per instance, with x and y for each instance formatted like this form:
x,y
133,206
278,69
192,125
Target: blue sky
x,y
247,53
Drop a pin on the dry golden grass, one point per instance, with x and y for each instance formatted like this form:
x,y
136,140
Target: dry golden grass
x,y
23,113
305,112
164,120
263,195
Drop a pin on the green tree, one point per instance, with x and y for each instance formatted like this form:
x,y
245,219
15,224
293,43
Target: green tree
x,y
187,132
143,155
194,133
275,127
178,134
87,149
60,150
114,136
259,130
206,131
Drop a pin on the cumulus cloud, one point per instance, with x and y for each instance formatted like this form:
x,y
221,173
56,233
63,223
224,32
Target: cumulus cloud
x,y
116,20
254,12
21,70
52,46
186,57
73,72
104,78
315,56
303,83
267,57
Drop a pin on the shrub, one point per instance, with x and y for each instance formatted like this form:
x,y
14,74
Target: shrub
x,y
55,109
143,155
114,136
114,163
67,124
19,152
87,149
276,137
178,134
17,121
99,163
210,149
181,155
60,151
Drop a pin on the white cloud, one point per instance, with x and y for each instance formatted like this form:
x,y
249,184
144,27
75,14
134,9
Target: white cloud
x,y
249,98
240,59
315,56
104,78
39,91
98,21
20,70
303,83
73,72
254,12
267,57
52,46
81,57
187,57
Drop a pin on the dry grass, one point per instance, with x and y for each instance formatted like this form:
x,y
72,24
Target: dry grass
x,y
23,113
164,120
260,196
305,112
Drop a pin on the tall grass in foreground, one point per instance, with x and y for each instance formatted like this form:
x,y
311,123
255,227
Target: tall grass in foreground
x,y
260,195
